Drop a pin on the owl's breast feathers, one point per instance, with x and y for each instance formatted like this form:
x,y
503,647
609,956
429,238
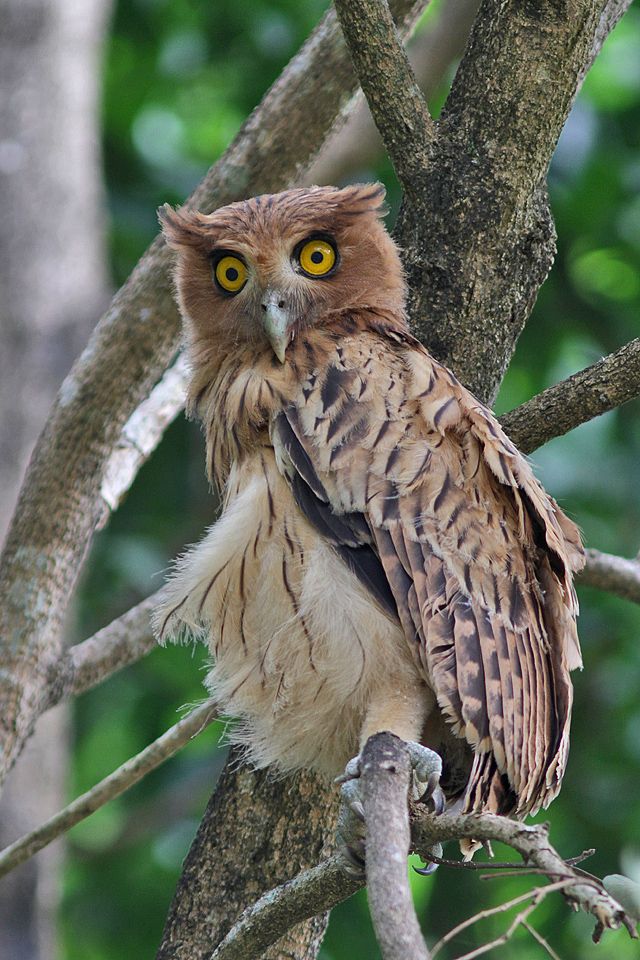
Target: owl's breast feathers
x,y
414,485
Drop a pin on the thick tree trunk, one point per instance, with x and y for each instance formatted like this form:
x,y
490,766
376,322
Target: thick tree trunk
x,y
52,256
478,236
52,283
247,843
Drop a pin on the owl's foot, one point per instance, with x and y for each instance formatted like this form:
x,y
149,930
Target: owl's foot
x,y
351,829
427,768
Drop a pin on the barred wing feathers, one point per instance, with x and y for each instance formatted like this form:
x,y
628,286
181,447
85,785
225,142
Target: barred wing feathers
x,y
430,503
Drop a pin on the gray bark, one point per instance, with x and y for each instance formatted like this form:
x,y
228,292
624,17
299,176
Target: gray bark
x,y
478,236
52,258
52,282
358,146
256,833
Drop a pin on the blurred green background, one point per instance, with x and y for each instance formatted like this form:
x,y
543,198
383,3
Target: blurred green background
x,y
179,80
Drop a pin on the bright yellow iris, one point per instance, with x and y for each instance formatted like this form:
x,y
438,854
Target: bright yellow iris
x,y
231,274
317,257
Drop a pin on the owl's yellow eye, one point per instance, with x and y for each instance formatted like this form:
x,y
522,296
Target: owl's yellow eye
x,y
231,274
317,257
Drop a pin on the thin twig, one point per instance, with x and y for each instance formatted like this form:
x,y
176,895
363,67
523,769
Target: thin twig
x,y
475,865
540,939
532,843
112,786
612,381
513,868
517,921
389,84
537,894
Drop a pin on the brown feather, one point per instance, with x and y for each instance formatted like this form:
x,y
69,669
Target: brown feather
x,y
394,560
462,528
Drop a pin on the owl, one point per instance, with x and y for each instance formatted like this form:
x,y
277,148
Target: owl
x,y
385,558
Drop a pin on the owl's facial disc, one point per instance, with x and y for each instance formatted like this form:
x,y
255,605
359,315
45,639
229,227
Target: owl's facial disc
x,y
277,322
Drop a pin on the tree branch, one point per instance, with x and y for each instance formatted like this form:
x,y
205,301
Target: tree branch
x,y
257,832
84,665
142,433
535,897
532,843
389,84
61,504
112,786
480,240
358,145
614,574
607,384
310,892
267,920
384,786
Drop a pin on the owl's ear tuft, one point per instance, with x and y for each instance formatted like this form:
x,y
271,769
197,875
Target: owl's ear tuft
x,y
183,227
359,198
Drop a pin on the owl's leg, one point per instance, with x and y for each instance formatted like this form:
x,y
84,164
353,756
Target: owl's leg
x,y
404,714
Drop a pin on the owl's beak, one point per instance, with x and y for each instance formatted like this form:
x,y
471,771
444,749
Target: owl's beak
x,y
276,320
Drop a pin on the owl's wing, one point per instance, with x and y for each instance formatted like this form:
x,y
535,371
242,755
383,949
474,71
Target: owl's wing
x,y
414,482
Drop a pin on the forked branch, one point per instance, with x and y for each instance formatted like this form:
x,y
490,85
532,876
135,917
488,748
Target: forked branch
x,y
389,84
326,885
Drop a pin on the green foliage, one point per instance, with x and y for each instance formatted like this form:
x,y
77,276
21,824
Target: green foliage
x,y
180,78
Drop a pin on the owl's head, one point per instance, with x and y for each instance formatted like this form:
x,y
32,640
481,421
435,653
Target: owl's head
x,y
261,270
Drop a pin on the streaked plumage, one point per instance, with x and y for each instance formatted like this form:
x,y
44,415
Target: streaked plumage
x,y
385,557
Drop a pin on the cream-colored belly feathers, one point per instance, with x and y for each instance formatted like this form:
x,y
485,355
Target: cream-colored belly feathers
x,y
299,648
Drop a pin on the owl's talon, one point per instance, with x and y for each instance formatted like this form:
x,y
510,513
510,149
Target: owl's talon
x,y
439,801
427,770
350,796
352,862
434,795
431,867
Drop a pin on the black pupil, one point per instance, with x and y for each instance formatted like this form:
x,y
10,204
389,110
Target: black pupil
x,y
317,256
231,274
